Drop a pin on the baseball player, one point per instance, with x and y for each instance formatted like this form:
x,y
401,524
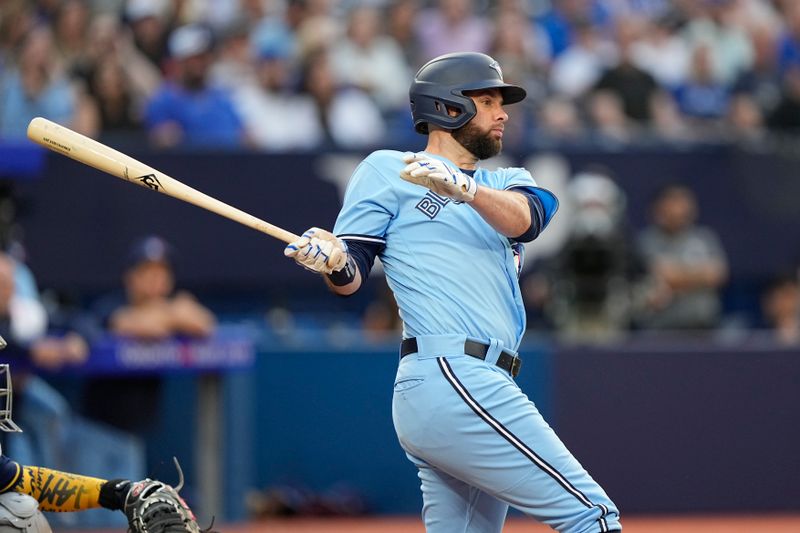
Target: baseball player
x,y
150,506
449,235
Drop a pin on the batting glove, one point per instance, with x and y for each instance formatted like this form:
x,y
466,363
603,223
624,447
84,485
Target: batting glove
x,y
319,251
438,176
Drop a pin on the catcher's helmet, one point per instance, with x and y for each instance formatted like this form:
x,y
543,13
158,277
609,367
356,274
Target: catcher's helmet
x,y
441,82
6,396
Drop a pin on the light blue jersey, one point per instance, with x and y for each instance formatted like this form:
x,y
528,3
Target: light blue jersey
x,y
441,258
478,442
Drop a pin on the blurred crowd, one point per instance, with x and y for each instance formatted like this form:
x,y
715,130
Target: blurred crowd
x,y
299,75
281,75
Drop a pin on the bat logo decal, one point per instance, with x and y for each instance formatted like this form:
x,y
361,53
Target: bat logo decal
x,y
151,182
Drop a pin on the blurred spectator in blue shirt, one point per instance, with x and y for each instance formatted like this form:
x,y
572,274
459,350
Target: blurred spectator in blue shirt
x,y
39,87
789,41
702,98
186,110
560,20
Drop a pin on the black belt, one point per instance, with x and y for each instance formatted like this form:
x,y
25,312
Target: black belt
x,y
507,360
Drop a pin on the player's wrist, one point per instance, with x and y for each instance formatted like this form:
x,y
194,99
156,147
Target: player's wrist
x,y
113,493
472,190
345,275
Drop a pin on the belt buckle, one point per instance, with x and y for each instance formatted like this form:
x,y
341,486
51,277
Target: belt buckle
x,y
516,364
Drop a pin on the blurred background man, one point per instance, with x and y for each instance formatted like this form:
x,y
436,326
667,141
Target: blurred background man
x,y
150,310
686,263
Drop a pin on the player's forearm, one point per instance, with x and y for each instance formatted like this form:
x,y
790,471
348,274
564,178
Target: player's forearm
x,y
59,491
150,324
506,211
707,276
193,319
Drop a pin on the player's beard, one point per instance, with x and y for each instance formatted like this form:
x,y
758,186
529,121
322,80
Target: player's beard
x,y
481,144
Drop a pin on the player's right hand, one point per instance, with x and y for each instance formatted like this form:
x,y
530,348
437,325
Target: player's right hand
x,y
319,251
438,176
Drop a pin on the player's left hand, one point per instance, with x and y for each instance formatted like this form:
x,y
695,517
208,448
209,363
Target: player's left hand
x,y
153,506
438,176
150,505
319,251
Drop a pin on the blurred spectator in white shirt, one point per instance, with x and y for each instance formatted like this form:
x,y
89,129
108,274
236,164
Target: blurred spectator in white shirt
x,y
275,117
731,51
662,52
349,117
579,67
367,58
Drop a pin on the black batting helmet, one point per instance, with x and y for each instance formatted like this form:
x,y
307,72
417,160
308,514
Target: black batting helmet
x,y
441,82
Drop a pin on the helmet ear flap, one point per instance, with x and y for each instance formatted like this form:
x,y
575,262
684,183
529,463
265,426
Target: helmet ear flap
x,y
426,108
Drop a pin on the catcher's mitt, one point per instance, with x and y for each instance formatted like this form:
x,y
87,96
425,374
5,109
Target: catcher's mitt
x,y
153,506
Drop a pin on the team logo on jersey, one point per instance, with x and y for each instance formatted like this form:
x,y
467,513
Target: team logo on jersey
x,y
432,203
518,249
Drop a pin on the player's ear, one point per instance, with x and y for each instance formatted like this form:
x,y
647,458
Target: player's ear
x,y
451,111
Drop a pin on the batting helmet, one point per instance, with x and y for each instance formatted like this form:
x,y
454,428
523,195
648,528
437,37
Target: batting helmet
x,y
442,81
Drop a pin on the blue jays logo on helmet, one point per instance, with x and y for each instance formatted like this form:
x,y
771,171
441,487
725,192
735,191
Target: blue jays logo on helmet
x,y
495,65
441,83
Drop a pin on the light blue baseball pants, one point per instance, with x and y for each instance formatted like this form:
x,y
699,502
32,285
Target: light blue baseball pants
x,y
481,445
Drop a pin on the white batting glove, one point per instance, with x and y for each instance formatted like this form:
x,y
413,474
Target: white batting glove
x,y
439,177
318,251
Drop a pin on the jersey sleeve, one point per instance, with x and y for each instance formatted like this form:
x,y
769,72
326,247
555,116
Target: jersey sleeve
x,y
521,179
58,491
9,473
369,204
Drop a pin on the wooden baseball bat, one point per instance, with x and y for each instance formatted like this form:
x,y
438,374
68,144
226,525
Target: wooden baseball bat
x,y
90,152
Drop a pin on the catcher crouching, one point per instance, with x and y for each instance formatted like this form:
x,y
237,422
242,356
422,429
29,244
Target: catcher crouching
x,y
151,506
